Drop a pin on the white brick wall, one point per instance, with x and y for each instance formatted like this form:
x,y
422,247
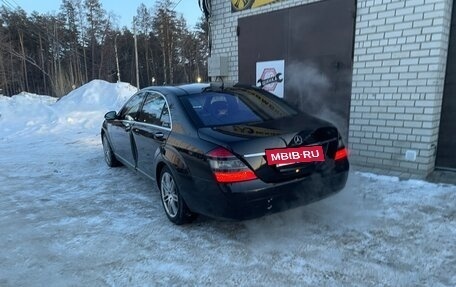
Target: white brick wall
x,y
224,24
398,77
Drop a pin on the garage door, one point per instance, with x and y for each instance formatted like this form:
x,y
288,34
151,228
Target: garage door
x,y
316,43
446,155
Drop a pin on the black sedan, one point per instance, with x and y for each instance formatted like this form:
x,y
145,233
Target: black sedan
x,y
235,153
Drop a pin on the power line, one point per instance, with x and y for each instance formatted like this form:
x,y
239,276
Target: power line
x,y
36,29
17,5
8,5
177,4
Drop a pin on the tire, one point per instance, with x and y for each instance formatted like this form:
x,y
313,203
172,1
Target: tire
x,y
175,208
109,156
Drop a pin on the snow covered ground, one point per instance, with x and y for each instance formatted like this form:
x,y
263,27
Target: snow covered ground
x,y
66,219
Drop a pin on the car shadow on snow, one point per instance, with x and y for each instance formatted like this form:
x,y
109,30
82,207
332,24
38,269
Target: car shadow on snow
x,y
348,209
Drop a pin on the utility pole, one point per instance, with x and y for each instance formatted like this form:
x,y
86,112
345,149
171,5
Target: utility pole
x,y
117,58
136,58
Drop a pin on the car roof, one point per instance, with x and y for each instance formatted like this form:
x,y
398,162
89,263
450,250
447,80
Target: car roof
x,y
207,87
190,89
178,90
194,88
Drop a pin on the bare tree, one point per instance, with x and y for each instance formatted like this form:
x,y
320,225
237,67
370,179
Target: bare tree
x,y
50,54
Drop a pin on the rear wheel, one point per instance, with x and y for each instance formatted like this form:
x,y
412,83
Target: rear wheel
x,y
175,208
109,156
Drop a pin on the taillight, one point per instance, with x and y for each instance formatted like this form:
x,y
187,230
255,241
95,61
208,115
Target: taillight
x,y
227,168
341,154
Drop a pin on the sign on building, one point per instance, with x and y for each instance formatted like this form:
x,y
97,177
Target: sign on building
x,y
240,5
270,76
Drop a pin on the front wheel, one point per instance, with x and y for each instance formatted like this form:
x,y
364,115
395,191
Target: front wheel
x,y
109,156
175,208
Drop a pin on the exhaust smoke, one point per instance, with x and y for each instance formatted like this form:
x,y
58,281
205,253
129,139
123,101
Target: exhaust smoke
x,y
313,92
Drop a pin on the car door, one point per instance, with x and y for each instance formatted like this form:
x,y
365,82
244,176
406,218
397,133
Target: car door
x,y
151,131
120,130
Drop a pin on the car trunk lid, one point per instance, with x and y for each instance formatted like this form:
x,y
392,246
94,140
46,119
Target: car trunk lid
x,y
250,141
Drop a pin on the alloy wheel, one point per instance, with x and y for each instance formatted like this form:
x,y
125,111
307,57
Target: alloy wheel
x,y
169,195
107,151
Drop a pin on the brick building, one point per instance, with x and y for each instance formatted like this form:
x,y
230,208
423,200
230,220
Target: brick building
x,y
394,55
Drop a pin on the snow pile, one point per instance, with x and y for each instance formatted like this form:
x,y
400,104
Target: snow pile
x,y
24,111
83,107
87,105
95,96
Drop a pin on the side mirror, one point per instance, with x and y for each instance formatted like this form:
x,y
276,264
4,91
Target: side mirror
x,y
112,115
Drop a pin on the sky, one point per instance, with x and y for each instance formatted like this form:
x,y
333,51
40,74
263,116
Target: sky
x,y
125,10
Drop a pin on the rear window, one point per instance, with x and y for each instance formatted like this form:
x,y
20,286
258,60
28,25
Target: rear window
x,y
236,106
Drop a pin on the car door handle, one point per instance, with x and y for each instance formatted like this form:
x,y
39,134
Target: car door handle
x,y
159,136
127,126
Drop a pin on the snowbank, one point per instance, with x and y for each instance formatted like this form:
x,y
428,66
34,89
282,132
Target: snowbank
x,y
97,95
24,111
83,107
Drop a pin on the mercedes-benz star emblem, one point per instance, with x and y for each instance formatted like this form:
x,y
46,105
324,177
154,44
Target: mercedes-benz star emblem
x,y
297,140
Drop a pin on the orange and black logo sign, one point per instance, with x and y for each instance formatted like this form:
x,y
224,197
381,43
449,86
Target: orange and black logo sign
x,y
240,5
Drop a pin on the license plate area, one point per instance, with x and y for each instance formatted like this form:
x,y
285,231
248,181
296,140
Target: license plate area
x,y
288,156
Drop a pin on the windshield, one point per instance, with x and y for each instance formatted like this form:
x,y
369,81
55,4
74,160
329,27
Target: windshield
x,y
235,106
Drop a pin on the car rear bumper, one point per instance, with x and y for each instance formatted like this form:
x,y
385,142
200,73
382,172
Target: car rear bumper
x,y
251,199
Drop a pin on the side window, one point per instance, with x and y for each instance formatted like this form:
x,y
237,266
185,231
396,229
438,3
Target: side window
x,y
165,117
130,110
155,111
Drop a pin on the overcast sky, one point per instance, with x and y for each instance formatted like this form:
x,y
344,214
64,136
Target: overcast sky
x,y
123,9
